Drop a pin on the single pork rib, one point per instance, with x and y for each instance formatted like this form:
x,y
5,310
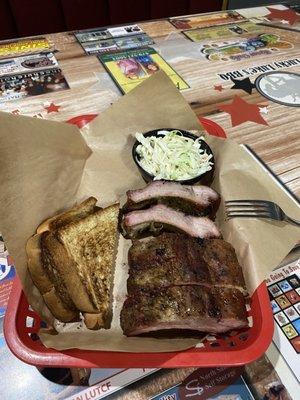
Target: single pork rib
x,y
184,307
177,259
193,200
159,217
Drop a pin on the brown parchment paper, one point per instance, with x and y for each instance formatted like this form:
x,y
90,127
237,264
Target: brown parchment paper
x,y
41,164
54,171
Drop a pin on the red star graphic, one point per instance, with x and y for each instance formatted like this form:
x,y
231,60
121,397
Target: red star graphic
x,y
52,108
16,112
219,88
288,15
240,111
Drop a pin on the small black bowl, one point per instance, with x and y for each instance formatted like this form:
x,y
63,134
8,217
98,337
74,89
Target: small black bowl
x,y
204,179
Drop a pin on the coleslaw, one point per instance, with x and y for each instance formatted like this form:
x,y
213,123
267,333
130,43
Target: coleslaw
x,y
172,156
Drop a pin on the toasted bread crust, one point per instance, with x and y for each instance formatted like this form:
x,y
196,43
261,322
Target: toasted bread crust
x,y
43,282
94,321
71,261
75,213
91,245
58,309
66,272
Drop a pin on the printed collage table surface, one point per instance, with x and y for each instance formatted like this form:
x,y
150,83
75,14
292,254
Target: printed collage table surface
x,y
239,69
214,59
285,300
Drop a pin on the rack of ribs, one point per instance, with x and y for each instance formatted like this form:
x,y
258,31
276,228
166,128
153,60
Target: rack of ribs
x,y
180,282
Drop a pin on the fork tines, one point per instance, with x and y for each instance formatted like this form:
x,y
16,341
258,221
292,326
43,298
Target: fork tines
x,y
247,202
247,209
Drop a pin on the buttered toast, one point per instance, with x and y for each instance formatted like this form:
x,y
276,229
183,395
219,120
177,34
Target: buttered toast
x,y
76,252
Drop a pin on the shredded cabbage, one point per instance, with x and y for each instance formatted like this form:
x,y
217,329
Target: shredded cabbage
x,y
172,156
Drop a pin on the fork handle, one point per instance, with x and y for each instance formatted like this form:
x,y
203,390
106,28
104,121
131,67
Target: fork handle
x,y
292,220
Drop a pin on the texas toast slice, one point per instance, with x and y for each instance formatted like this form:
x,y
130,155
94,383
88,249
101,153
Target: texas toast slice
x,y
54,293
83,252
44,276
76,213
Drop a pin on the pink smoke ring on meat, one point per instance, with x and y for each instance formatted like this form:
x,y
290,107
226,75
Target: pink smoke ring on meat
x,y
136,221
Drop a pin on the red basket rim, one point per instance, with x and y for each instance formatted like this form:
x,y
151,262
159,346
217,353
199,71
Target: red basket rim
x,y
96,359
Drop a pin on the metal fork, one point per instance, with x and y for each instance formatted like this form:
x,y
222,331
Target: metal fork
x,y
257,209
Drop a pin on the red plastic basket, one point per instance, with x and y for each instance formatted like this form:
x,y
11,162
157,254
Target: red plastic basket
x,y
21,326
239,349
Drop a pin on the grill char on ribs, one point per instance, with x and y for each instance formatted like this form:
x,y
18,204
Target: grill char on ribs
x,y
184,307
177,259
159,217
190,279
193,200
